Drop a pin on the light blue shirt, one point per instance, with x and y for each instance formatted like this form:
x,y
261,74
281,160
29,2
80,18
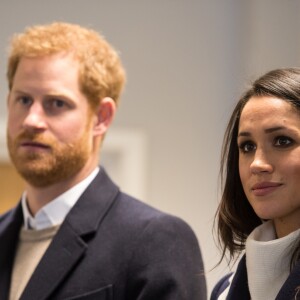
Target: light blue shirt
x,y
55,211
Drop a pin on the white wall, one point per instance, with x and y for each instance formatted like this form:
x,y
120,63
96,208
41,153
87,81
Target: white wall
x,y
187,62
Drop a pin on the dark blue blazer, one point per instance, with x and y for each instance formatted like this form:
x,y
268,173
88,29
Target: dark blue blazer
x,y
110,246
239,286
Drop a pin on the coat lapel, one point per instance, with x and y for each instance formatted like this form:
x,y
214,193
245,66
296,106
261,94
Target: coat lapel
x,y
61,256
239,286
69,244
10,228
291,287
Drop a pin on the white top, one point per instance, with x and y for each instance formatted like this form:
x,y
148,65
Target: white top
x,y
55,211
268,261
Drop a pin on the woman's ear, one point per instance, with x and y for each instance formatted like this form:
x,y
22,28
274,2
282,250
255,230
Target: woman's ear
x,y
104,116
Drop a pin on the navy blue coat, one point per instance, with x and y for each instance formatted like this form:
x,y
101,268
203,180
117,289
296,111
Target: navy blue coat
x,y
239,286
110,246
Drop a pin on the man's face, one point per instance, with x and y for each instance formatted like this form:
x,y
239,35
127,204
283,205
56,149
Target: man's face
x,y
49,134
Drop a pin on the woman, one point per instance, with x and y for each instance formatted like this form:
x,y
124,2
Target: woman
x,y
260,205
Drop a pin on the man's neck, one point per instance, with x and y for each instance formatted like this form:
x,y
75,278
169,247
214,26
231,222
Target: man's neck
x,y
37,197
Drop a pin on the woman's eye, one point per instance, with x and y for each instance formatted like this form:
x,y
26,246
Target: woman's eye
x,y
283,141
247,147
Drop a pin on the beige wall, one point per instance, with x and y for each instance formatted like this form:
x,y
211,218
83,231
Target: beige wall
x,y
187,61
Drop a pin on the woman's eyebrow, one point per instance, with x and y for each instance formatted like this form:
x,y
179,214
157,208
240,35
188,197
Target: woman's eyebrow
x,y
268,130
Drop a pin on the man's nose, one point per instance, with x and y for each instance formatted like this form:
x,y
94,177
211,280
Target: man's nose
x,y
35,118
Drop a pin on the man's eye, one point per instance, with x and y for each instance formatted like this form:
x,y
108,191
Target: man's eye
x,y
58,103
24,100
283,141
54,103
247,147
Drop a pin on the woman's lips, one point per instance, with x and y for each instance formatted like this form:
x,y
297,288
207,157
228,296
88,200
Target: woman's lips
x,y
265,188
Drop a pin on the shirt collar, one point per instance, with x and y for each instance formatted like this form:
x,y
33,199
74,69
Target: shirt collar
x,y
56,210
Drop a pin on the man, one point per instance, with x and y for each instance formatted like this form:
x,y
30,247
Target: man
x,y
74,235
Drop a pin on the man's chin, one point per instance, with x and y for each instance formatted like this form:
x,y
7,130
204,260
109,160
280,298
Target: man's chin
x,y
44,170
39,177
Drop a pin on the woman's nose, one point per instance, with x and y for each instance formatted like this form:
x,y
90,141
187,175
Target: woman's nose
x,y
261,162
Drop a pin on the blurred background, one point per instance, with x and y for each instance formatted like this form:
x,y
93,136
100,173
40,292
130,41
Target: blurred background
x,y
187,63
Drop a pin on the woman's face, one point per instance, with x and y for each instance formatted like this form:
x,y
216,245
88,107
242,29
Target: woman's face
x,y
269,160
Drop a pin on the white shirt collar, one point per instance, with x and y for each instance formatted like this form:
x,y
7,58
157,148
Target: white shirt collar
x,y
56,210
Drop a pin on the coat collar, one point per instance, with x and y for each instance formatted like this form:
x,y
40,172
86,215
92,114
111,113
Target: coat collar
x,y
239,286
69,244
291,287
10,224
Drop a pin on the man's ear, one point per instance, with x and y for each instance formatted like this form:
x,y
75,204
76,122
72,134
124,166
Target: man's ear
x,y
104,116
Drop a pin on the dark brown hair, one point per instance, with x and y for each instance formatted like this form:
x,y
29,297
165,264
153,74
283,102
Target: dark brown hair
x,y
235,217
